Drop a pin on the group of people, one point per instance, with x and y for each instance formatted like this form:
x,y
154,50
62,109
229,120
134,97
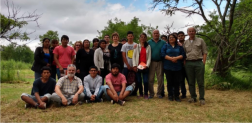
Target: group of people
x,y
126,67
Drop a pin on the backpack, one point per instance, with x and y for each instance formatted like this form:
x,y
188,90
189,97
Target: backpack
x,y
131,77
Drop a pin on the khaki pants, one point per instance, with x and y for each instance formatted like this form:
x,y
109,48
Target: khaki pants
x,y
156,68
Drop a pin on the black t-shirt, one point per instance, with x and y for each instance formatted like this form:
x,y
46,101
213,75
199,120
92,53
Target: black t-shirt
x,y
116,54
43,88
84,59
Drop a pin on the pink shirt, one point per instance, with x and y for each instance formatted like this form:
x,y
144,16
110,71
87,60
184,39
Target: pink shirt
x,y
116,81
65,55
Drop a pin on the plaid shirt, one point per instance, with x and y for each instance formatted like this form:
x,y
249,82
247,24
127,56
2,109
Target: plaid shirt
x,y
69,88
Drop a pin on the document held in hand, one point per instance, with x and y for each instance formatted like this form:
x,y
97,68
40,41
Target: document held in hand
x,y
141,66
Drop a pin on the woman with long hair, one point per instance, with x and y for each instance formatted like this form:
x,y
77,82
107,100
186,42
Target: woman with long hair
x,y
141,62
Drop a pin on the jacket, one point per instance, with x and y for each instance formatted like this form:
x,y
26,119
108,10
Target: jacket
x,y
39,59
136,55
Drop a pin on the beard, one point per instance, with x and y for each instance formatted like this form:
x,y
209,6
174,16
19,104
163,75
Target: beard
x,y
115,74
70,74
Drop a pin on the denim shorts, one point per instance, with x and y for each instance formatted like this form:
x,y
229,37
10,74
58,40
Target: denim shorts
x,y
34,98
105,87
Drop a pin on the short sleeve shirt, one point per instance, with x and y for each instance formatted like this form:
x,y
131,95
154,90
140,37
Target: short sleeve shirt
x,y
67,87
194,50
64,55
116,81
43,88
128,49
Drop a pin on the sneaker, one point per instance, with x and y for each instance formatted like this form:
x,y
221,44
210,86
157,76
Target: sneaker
x,y
150,97
120,102
87,101
28,105
133,85
112,102
101,100
183,97
192,100
146,97
170,98
202,102
177,99
160,96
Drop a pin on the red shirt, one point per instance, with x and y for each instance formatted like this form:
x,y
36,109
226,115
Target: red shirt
x,y
65,55
142,56
116,81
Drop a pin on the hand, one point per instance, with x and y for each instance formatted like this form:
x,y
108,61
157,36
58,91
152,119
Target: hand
x,y
75,99
145,67
116,97
48,64
204,62
174,60
61,70
64,101
129,68
92,98
78,71
179,44
135,69
42,105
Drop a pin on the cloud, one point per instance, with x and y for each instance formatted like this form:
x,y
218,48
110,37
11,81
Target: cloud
x,y
80,19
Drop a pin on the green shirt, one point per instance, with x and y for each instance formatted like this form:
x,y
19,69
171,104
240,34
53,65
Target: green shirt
x,y
156,49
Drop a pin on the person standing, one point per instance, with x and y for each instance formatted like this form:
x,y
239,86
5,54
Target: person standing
x,y
156,66
173,55
95,44
196,53
107,39
115,50
84,59
54,43
63,56
142,56
42,57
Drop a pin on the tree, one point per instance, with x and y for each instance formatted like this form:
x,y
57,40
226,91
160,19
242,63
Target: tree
x,y
228,36
122,28
49,34
12,23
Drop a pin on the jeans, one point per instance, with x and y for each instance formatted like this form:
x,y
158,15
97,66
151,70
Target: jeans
x,y
58,72
97,97
37,75
105,87
125,73
173,80
143,75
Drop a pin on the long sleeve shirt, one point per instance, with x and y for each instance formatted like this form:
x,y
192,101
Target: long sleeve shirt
x,y
92,85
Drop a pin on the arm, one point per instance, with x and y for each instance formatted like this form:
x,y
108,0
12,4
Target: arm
x,y
77,62
204,49
204,58
149,56
125,60
87,87
38,58
109,83
134,58
96,59
41,103
123,89
59,93
98,86
57,62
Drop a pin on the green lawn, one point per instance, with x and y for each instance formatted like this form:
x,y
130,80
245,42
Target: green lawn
x,y
221,106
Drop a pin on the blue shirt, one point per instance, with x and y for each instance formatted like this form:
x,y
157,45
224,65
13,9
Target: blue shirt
x,y
155,49
177,50
47,57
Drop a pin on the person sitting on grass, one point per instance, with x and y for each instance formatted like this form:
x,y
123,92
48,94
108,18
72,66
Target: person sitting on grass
x,y
93,86
69,88
41,90
116,89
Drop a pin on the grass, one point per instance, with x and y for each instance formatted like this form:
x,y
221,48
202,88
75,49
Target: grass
x,y
221,106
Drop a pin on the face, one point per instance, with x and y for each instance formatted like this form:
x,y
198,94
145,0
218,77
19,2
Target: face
x,y
64,42
103,45
123,42
93,72
55,44
143,38
130,37
77,45
71,71
191,32
106,38
45,74
164,38
155,34
86,44
115,38
115,71
172,39
181,37
95,43
46,43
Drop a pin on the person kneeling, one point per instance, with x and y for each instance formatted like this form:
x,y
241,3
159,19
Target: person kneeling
x,y
93,86
116,89
42,89
69,88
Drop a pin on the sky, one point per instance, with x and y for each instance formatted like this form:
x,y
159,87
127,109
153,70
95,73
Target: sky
x,y
80,19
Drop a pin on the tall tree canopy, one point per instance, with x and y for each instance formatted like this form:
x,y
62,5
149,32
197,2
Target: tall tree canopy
x,y
49,34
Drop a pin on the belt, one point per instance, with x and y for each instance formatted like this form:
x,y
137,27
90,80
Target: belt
x,y
195,60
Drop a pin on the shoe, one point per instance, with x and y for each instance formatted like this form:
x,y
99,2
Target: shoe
x,y
160,96
87,101
101,100
150,97
170,98
202,102
120,102
112,102
177,99
45,106
28,105
139,96
146,97
192,100
183,97
133,85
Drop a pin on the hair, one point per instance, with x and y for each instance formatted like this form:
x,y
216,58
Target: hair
x,y
84,41
124,39
45,68
107,35
164,36
93,67
129,32
145,43
176,43
115,34
175,33
95,40
81,45
71,65
44,41
115,65
54,40
181,32
191,27
101,42
64,37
